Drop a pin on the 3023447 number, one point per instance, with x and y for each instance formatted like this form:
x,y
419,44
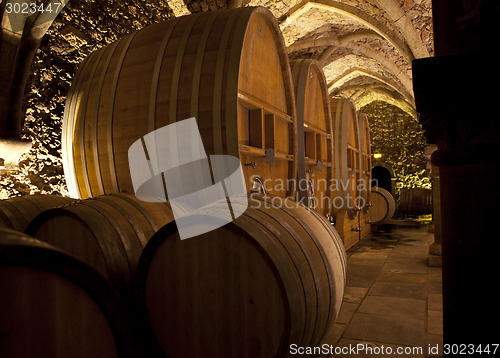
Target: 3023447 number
x,y
469,349
32,8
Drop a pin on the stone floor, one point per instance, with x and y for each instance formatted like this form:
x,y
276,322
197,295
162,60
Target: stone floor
x,y
392,298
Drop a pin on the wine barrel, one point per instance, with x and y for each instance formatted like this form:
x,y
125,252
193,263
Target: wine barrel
x,y
53,305
229,69
365,178
415,201
272,277
314,134
365,162
107,232
347,201
16,213
383,205
346,153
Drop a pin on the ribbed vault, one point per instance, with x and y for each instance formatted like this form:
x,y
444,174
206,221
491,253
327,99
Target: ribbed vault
x,y
365,46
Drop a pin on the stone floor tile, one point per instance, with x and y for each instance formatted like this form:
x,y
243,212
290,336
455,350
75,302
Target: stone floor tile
x,y
361,274
334,333
398,277
346,312
354,294
435,280
435,302
435,322
414,266
386,329
408,290
410,251
394,306
392,296
371,255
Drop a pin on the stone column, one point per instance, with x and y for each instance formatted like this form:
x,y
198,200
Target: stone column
x,y
458,111
434,258
467,131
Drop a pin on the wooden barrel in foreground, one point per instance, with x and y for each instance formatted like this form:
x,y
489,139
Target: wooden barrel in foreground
x,y
16,213
314,134
415,201
52,305
383,206
273,277
107,232
229,69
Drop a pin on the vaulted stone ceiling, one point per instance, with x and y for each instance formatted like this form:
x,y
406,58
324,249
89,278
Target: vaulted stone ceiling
x,y
365,46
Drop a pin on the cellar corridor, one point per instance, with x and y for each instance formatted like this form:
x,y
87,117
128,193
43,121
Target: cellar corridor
x,y
392,297
249,178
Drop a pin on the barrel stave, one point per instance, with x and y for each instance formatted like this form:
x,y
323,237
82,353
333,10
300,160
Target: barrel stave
x,y
290,260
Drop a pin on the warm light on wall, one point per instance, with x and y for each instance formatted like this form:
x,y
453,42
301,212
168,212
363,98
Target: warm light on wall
x,y
377,155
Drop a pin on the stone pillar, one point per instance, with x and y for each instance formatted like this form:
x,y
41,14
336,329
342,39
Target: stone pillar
x,y
434,258
458,111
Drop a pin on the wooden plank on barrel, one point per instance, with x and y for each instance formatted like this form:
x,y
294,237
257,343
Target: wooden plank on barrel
x,y
315,129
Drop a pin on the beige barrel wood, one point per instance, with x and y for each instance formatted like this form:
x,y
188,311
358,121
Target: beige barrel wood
x,y
229,69
347,171
346,153
16,213
107,232
315,133
52,305
383,206
272,277
365,162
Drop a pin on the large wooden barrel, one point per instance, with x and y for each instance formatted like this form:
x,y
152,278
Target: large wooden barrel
x,y
347,201
107,232
229,69
272,277
365,161
383,205
415,202
16,213
314,134
346,152
52,305
365,176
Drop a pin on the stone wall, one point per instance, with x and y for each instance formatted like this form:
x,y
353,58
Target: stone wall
x,y
400,139
81,28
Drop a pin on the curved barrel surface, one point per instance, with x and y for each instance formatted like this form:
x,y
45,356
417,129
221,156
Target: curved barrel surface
x,y
228,69
273,277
